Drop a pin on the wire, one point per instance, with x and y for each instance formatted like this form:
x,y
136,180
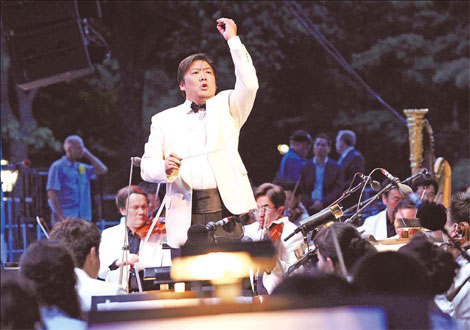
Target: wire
x,y
307,23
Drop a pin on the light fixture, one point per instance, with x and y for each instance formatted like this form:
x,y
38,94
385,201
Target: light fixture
x,y
9,178
282,148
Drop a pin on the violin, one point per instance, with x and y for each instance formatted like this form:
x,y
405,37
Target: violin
x,y
159,228
462,233
275,231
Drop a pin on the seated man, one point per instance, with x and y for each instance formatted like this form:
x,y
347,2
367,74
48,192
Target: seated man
x,y
83,239
406,209
381,225
457,300
322,179
424,190
272,225
139,256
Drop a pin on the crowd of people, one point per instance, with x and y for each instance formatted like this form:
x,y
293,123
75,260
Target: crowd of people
x,y
192,155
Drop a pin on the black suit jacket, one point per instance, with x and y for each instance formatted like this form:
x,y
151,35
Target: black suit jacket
x,y
352,163
332,183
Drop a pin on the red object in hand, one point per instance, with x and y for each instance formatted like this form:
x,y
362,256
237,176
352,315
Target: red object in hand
x,y
159,228
276,231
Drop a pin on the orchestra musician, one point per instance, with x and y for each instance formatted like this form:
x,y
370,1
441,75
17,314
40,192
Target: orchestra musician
x,y
272,224
140,255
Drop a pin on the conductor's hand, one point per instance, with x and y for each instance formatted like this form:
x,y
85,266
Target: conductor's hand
x,y
227,28
172,164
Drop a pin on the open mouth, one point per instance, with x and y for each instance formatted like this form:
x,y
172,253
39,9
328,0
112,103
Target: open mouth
x,y
204,86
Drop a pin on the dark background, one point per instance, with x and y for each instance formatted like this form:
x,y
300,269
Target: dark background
x,y
413,54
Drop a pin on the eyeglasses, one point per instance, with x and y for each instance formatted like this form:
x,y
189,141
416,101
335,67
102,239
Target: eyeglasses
x,y
262,209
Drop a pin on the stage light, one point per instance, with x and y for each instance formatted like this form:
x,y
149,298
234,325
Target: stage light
x,y
9,178
283,148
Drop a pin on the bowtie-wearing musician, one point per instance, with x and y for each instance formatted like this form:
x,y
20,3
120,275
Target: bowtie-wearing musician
x,y
193,147
272,224
139,255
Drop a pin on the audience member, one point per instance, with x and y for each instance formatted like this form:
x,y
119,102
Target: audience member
x,y
395,273
83,239
273,225
390,273
439,265
20,309
296,157
322,286
49,266
68,181
381,225
352,247
322,179
350,158
140,256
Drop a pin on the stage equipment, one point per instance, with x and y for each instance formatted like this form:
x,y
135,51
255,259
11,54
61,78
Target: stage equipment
x,y
425,157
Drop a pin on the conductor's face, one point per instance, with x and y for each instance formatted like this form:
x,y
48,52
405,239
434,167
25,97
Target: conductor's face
x,y
199,82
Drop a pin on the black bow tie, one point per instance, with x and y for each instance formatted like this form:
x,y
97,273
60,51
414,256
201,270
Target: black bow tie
x,y
196,107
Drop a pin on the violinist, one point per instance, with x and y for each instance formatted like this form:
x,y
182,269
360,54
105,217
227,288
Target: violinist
x,y
139,255
457,300
273,225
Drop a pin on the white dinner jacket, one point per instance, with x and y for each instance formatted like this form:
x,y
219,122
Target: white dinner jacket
x,y
375,225
225,114
150,255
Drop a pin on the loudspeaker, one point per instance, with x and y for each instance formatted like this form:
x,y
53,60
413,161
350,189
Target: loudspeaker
x,y
45,42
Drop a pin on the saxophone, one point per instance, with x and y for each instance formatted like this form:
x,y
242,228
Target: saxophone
x,y
419,157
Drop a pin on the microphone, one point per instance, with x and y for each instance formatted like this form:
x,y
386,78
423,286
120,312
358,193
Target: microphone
x,y
136,161
326,215
375,185
425,173
404,189
212,226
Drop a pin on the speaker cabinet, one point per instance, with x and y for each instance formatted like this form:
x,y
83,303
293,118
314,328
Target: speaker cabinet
x,y
45,42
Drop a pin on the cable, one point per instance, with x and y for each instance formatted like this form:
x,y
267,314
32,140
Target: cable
x,y
306,22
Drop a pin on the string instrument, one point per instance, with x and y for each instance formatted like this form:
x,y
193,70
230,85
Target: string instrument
x,y
159,228
462,233
275,231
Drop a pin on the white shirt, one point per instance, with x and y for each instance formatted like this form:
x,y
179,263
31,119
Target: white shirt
x,y
88,287
459,307
202,176
285,250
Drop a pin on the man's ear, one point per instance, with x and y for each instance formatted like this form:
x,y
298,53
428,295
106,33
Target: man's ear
x,y
181,84
280,209
123,211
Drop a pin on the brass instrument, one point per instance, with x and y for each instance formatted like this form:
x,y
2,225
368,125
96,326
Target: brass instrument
x,y
440,168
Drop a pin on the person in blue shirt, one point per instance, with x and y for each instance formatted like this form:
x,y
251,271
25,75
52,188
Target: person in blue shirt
x,y
68,182
292,162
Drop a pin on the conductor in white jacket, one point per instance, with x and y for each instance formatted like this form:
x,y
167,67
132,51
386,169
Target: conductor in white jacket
x,y
193,147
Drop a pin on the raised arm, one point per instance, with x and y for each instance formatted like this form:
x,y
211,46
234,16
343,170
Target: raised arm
x,y
246,85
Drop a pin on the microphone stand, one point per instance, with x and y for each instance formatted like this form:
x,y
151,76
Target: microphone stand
x,y
301,261
305,229
423,172
369,202
125,245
